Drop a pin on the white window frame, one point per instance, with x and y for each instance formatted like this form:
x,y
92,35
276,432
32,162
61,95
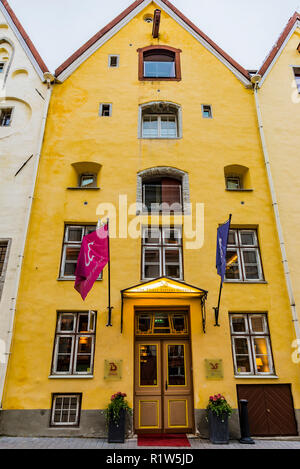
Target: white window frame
x,y
239,248
75,335
85,229
296,71
159,116
203,106
161,247
109,60
66,424
250,335
101,109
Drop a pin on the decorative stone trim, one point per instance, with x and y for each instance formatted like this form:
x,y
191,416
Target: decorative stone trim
x,y
163,171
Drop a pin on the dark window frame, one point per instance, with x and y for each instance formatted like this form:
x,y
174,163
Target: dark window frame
x,y
169,49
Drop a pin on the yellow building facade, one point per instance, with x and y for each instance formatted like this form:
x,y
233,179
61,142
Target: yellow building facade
x,y
138,120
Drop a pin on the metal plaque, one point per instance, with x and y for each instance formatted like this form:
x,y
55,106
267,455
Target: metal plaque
x,y
214,368
113,369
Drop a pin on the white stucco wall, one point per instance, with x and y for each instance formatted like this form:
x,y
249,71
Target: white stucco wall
x,y
17,143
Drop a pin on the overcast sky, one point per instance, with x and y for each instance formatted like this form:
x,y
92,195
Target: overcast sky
x,y
245,29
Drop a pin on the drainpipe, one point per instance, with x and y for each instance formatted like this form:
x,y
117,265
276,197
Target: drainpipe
x,y
49,79
255,80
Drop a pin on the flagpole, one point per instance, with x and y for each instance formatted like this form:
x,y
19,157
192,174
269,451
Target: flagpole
x,y
108,264
221,286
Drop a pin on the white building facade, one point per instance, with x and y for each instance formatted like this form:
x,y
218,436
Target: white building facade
x,y
24,98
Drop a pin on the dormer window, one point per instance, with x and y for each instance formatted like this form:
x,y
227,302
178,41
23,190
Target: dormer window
x,y
159,63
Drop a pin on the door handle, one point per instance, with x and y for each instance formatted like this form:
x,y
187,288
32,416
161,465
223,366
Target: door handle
x,y
166,386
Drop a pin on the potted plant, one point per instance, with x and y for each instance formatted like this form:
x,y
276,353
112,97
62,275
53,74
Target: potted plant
x,y
115,417
219,412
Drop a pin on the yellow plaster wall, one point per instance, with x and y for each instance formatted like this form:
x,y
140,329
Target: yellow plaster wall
x,y
74,133
280,106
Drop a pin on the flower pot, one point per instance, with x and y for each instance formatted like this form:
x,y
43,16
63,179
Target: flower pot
x,y
116,430
218,428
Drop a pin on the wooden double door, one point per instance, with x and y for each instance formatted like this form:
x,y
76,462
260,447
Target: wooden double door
x,y
270,409
163,386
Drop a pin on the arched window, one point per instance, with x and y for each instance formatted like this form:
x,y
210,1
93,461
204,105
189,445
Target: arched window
x,y
163,190
160,120
237,178
159,63
86,175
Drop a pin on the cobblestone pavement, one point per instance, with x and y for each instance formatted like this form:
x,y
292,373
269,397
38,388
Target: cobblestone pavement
x,y
94,443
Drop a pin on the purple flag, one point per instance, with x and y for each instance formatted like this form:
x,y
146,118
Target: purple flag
x,y
222,237
93,257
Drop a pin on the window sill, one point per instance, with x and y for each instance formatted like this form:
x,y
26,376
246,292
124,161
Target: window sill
x,y
159,79
71,376
264,282
256,377
160,138
83,188
239,190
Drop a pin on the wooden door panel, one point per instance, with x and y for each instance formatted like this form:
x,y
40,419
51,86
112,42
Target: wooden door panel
x,y
177,385
270,408
280,410
149,413
258,422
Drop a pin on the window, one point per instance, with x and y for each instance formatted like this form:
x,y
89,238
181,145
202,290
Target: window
x,y
251,344
5,117
65,410
74,343
71,247
162,195
87,180
160,120
243,256
148,323
159,63
233,182
2,65
206,111
113,61
3,252
105,110
161,252
237,178
297,77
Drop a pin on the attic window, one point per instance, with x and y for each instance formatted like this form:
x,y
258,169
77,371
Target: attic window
x,y
105,110
297,78
159,63
113,61
206,111
5,117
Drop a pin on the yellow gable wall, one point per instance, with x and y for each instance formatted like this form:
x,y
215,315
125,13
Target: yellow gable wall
x,y
280,106
75,133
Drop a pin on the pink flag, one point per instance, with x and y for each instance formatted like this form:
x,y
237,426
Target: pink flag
x,y
93,257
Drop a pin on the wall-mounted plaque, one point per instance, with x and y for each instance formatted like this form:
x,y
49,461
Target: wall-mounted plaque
x,y
214,368
113,369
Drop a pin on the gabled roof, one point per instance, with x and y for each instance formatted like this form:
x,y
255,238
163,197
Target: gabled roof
x,y
65,69
24,39
292,24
